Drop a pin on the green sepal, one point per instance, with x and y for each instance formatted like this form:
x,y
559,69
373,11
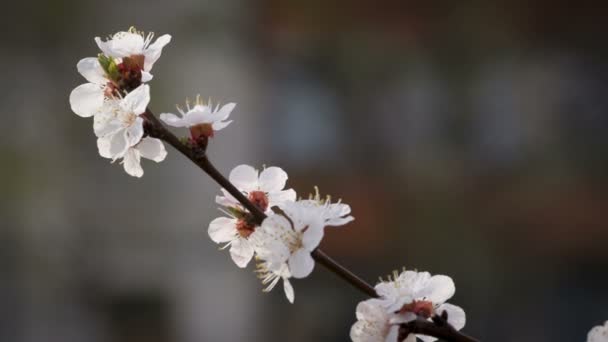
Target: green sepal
x,y
108,64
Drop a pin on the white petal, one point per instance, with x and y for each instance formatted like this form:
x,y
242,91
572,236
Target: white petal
x,y
280,197
104,124
227,200
222,229
131,163
393,334
272,179
226,110
146,77
90,69
312,237
409,338
244,177
86,99
103,145
368,310
403,318
153,52
456,315
152,148
288,289
173,120
103,46
219,125
137,100
301,263
122,44
426,338
135,132
118,145
389,294
241,252
438,289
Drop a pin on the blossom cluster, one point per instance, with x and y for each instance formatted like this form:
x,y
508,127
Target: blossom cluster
x,y
404,298
283,243
117,95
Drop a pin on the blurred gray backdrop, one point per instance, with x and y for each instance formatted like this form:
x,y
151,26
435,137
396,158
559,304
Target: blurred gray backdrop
x,y
469,138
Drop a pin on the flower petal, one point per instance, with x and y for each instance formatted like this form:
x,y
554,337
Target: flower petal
x,y
241,252
153,52
131,163
222,229
173,120
393,334
226,110
92,71
272,179
312,237
135,132
288,289
280,197
152,148
301,263
118,145
146,77
86,99
456,315
104,124
426,338
244,177
122,44
219,125
103,145
438,289
137,101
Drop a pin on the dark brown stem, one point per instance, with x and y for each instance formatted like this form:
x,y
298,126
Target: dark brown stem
x,y
438,328
198,156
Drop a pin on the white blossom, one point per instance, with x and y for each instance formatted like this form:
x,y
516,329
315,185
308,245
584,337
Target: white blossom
x,y
291,241
598,333
135,45
120,125
374,324
87,99
418,294
119,128
265,189
201,119
234,233
333,214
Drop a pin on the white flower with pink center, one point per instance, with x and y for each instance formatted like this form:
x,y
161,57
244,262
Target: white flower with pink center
x,y
413,295
264,189
234,233
135,45
202,119
120,131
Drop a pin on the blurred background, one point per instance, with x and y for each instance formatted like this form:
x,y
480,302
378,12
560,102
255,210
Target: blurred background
x,y
469,138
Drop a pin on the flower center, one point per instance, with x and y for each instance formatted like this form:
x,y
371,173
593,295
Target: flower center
x,y
244,228
260,199
420,308
201,130
129,73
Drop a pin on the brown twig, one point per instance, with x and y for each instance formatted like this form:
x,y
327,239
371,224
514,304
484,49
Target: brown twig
x,y
198,156
439,328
